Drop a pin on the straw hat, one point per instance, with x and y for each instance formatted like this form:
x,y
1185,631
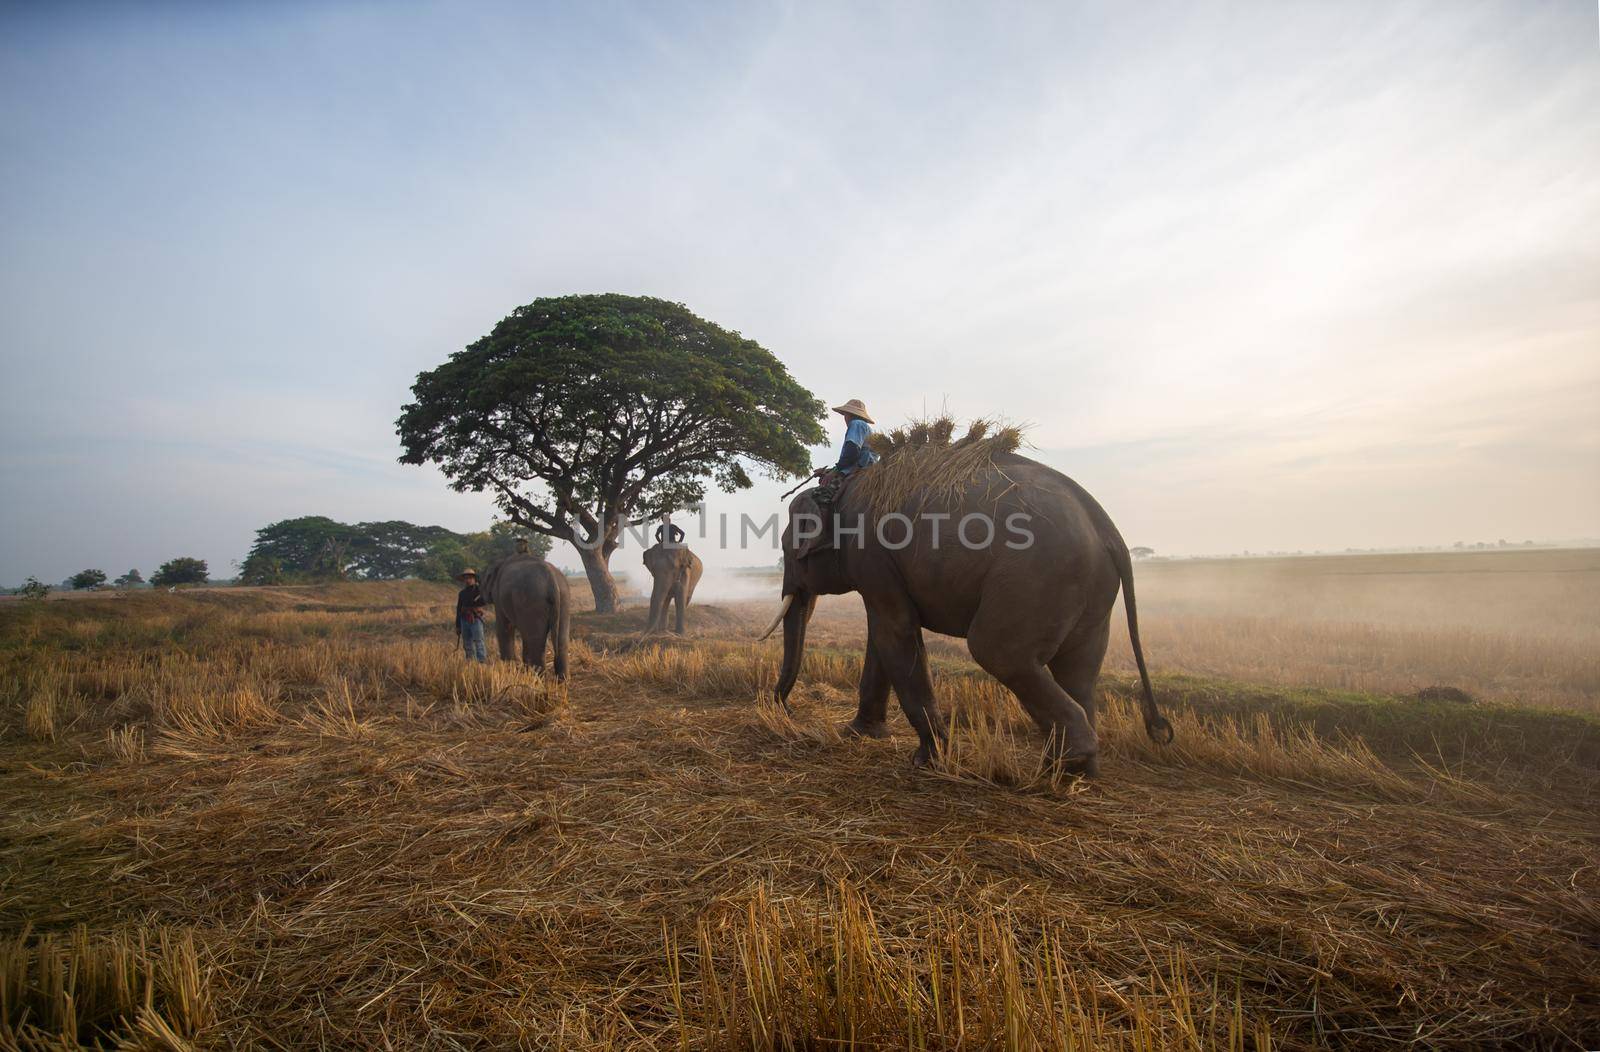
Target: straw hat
x,y
464,574
855,408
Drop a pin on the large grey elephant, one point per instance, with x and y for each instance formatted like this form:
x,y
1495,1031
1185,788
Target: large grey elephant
x,y
1032,593
530,598
675,570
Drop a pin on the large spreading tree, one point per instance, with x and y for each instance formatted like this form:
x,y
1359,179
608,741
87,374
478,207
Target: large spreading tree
x,y
585,414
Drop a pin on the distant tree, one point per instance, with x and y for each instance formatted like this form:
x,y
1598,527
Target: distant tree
x,y
182,570
131,579
317,548
499,541
310,547
259,568
391,550
584,414
85,579
445,558
34,589
1141,552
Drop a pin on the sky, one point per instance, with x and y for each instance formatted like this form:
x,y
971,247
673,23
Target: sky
x,y
1270,276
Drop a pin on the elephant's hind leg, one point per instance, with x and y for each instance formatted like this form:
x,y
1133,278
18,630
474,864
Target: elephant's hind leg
x,y
535,633
1007,654
1076,667
505,635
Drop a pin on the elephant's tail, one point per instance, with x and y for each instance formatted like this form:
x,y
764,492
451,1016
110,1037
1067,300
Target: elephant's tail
x,y
563,627
1155,724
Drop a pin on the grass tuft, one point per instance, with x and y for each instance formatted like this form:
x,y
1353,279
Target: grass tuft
x,y
143,989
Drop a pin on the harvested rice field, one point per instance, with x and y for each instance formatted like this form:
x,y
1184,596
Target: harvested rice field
x,y
290,818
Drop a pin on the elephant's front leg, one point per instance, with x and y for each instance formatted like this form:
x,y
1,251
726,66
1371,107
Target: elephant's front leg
x,y
504,635
873,710
660,596
897,640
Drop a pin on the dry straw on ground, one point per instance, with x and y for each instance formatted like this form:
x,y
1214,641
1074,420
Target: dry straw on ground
x,y
299,819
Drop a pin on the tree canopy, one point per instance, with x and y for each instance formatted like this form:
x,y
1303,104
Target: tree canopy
x,y
182,570
583,414
85,579
130,579
317,548
311,546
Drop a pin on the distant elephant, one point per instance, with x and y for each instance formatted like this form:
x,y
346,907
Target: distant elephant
x,y
676,571
1034,604
530,597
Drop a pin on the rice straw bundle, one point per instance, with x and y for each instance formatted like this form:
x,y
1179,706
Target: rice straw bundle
x,y
923,458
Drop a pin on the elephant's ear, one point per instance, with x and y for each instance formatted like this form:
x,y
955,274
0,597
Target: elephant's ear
x,y
809,524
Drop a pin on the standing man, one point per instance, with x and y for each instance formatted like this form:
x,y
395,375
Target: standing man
x,y
470,612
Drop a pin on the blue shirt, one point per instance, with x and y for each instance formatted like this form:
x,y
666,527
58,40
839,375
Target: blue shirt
x,y
856,434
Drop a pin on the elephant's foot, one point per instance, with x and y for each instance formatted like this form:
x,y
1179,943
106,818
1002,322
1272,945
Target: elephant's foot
x,y
925,756
1078,764
860,728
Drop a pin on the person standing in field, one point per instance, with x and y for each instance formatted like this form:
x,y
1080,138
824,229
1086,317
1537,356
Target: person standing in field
x,y
470,613
853,456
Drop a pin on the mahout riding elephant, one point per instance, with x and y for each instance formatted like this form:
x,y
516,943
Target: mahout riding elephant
x,y
530,598
1032,595
676,571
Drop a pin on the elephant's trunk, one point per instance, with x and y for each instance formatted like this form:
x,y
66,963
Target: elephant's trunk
x,y
795,617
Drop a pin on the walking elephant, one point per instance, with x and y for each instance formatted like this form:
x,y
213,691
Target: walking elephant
x,y
1019,560
676,570
530,598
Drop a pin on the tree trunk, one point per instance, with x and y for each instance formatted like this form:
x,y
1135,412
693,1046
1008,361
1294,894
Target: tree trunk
x,y
597,565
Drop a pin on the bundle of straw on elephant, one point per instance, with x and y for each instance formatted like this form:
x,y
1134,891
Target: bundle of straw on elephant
x,y
924,460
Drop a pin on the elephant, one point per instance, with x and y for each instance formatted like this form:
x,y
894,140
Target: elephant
x,y
530,597
1034,602
676,571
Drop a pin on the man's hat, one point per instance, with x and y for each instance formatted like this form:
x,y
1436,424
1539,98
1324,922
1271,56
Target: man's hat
x,y
855,408
464,574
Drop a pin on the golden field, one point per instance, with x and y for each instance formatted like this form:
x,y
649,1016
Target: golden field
x,y
295,818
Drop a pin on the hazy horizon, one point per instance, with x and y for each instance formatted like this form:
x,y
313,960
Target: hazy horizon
x,y
1261,277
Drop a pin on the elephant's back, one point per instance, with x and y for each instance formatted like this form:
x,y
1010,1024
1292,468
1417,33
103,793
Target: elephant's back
x,y
1015,484
525,579
1052,490
1045,537
658,558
